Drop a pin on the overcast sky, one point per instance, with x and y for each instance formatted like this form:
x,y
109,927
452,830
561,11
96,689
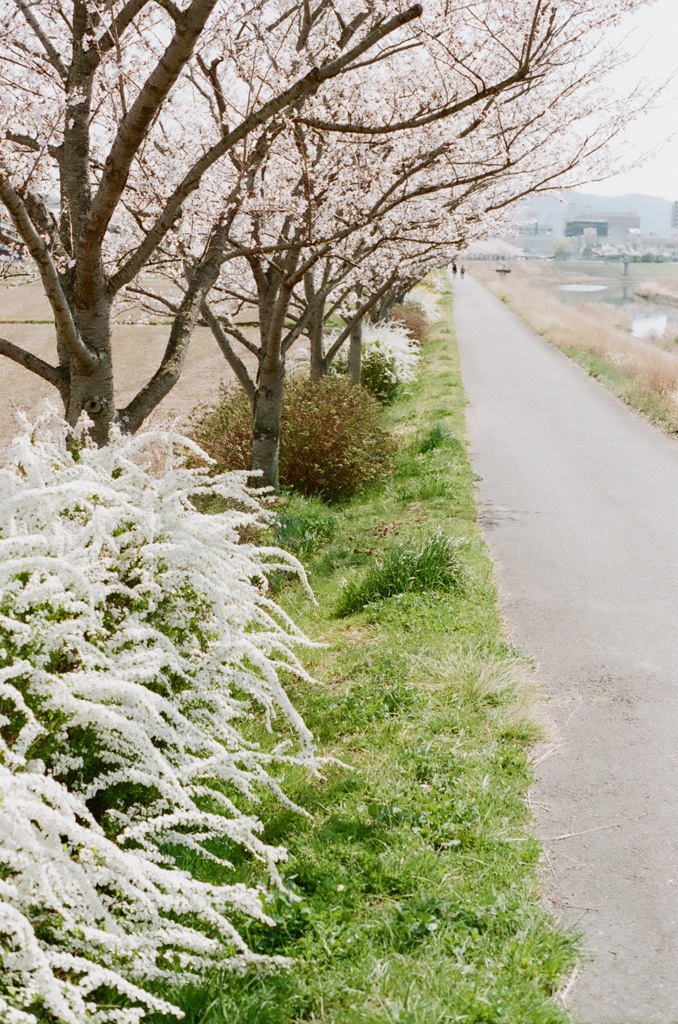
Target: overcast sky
x,y
654,32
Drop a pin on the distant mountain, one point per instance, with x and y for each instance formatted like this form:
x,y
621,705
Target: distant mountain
x,y
654,213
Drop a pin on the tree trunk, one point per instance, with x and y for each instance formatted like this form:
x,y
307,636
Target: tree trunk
x,y
203,278
91,390
355,353
275,290
315,330
268,400
383,310
315,336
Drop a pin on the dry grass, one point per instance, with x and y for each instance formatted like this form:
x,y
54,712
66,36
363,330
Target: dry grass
x,y
665,292
592,334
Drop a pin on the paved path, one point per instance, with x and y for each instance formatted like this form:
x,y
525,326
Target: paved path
x,y
580,508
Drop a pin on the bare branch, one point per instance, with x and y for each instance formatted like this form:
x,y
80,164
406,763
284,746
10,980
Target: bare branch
x,y
202,279
45,41
52,374
63,317
234,360
138,290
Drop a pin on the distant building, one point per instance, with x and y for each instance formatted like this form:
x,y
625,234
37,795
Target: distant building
x,y
532,228
674,217
616,227
580,228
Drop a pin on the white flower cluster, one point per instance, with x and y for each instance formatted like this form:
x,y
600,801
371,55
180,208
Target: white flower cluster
x,y
141,714
394,341
428,299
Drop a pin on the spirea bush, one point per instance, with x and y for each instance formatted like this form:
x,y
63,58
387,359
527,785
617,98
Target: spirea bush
x,y
332,441
426,296
395,341
142,716
378,374
389,360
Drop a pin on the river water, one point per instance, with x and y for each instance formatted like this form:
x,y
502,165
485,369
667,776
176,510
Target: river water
x,y
646,320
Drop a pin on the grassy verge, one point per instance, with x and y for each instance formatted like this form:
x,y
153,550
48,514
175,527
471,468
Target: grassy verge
x,y
417,874
635,392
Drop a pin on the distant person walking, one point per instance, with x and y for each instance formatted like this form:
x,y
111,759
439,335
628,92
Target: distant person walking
x,y
454,269
463,271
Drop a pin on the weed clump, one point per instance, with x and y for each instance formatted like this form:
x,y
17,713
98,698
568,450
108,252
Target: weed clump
x,y
433,564
437,436
304,525
332,443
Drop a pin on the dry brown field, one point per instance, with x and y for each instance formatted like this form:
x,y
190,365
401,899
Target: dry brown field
x,y
137,350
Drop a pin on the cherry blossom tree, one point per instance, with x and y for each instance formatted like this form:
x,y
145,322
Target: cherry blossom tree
x,y
269,155
397,164
119,110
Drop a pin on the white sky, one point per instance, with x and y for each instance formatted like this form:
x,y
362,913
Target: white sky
x,y
654,33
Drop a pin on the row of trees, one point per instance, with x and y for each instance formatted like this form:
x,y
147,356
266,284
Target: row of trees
x,y
296,160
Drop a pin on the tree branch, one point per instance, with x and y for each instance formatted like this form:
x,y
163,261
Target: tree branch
x,y
356,318
63,318
421,120
110,37
135,125
45,41
233,359
138,290
52,374
304,87
203,278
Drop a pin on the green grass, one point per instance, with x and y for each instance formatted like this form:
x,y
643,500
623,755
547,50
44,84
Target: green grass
x,y
437,436
24,321
304,525
432,564
417,876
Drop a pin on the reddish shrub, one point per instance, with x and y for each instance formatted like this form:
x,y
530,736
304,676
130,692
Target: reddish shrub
x,y
332,442
413,318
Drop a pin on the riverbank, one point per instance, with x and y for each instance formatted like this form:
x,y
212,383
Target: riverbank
x,y
596,335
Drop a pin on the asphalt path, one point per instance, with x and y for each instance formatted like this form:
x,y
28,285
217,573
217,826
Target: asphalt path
x,y
579,504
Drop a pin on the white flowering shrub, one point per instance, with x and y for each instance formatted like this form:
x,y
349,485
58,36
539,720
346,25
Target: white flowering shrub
x,y
392,340
389,359
428,298
142,714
